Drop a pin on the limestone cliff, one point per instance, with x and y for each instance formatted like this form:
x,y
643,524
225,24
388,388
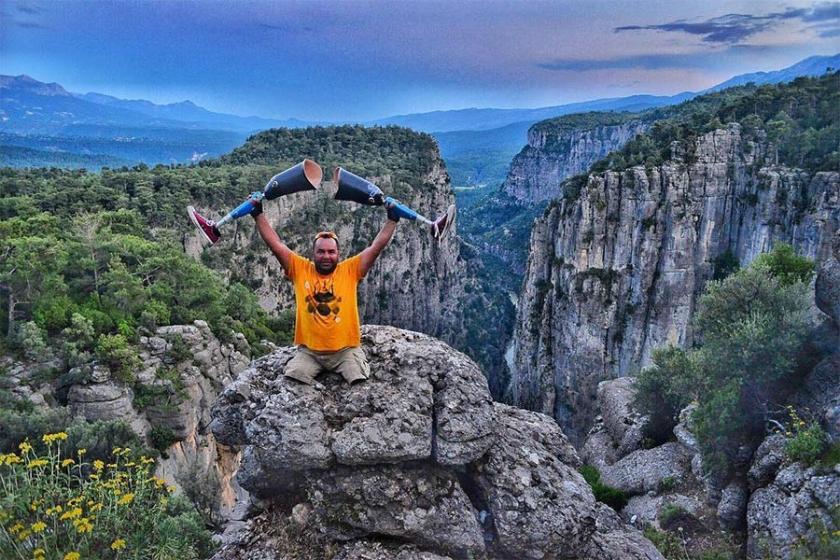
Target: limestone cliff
x,y
615,270
554,153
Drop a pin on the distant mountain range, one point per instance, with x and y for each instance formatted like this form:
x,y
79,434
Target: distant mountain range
x,y
46,119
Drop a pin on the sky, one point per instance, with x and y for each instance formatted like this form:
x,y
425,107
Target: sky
x,y
345,60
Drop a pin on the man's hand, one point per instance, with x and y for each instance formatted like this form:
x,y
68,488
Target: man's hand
x,y
257,202
392,212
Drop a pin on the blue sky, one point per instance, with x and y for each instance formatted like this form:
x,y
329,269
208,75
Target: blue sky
x,y
362,60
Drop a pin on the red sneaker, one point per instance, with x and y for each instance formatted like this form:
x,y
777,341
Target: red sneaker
x,y
443,222
207,227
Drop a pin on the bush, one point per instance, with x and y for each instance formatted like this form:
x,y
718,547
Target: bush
x,y
32,339
751,328
73,508
162,437
119,356
613,497
664,389
807,440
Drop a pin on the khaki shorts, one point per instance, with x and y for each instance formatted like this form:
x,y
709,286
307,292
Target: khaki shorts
x,y
306,364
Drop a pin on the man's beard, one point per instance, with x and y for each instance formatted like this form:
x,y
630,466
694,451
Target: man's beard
x,y
325,268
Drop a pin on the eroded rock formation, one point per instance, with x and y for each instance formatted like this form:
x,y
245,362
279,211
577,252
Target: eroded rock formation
x,y
418,453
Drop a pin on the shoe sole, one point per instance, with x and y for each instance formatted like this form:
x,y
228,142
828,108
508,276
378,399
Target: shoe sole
x,y
191,212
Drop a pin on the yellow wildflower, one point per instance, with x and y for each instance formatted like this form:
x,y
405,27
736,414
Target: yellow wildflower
x,y
118,544
112,465
24,535
131,464
36,463
95,507
72,514
83,525
170,489
67,462
72,556
81,451
146,460
16,527
49,438
39,526
125,500
39,553
52,510
25,447
98,465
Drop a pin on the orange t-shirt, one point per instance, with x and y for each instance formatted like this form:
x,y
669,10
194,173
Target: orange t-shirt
x,y
327,314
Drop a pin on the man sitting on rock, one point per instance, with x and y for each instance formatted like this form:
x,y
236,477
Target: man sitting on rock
x,y
327,328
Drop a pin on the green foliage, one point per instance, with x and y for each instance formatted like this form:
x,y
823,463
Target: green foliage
x,y
785,265
58,505
119,356
670,512
613,497
725,264
752,326
799,119
668,544
807,439
32,339
162,437
664,389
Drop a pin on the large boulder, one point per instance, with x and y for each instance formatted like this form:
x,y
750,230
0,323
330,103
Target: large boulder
x,y
423,401
415,462
789,518
649,470
622,421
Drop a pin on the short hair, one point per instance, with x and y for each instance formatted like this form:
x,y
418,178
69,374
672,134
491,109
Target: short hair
x,y
326,235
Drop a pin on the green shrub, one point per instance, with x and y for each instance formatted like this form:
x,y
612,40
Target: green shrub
x,y
807,440
670,512
669,545
613,497
784,264
119,356
162,437
752,328
664,389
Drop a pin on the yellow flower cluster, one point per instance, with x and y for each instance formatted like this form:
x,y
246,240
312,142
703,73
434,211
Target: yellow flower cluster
x,y
9,459
37,463
118,544
126,499
49,438
83,525
72,556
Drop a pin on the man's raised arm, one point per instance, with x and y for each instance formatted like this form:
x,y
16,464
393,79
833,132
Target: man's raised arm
x,y
280,250
369,255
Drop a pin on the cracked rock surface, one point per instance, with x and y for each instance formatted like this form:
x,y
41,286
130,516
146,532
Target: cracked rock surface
x,y
415,462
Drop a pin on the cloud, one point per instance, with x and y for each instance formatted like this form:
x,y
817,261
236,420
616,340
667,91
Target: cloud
x,y
28,8
646,62
734,28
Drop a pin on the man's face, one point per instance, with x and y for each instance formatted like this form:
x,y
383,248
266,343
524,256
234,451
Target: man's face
x,y
326,255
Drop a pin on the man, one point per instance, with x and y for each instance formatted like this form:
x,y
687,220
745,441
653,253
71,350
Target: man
x,y
327,327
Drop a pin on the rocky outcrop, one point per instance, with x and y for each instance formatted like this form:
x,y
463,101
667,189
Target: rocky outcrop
x,y
418,452
556,152
617,271
648,470
788,518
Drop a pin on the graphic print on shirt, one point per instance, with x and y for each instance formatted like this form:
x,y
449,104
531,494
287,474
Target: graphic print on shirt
x,y
321,301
